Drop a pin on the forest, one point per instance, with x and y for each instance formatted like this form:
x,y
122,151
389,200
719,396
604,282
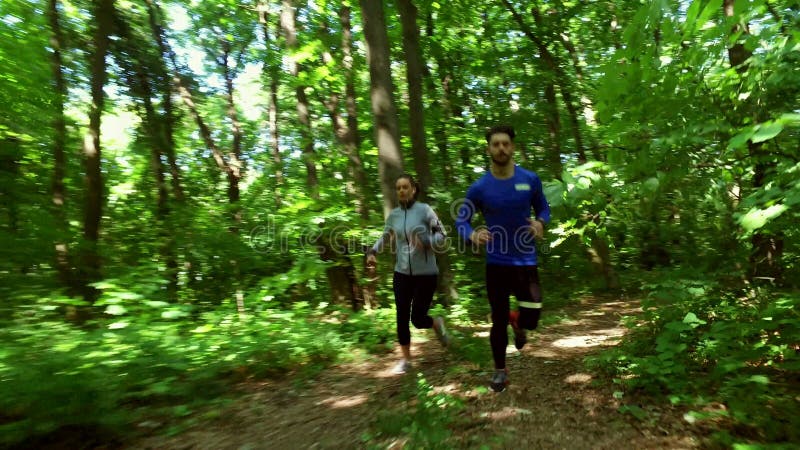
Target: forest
x,y
188,189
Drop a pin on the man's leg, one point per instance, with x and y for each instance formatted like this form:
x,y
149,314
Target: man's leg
x,y
498,291
528,292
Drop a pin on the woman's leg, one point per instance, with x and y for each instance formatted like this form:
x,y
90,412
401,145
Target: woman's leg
x,y
403,294
424,288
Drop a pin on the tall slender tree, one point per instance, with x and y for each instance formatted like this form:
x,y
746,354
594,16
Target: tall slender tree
x,y
271,75
416,107
767,249
59,144
289,27
384,111
90,265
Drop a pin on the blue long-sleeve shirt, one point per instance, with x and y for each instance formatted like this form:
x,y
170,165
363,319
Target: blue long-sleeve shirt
x,y
506,207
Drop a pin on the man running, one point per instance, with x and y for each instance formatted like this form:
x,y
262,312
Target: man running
x,y
505,196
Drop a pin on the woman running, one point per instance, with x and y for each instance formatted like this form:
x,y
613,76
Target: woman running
x,y
417,232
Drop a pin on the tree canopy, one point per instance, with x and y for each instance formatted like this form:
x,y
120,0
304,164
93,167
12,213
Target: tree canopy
x,y
205,169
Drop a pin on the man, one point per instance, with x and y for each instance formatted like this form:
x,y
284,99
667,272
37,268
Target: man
x,y
505,196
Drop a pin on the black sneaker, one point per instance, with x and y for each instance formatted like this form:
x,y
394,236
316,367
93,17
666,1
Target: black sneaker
x,y
520,336
499,380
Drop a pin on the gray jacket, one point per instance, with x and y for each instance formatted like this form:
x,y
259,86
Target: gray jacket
x,y
417,223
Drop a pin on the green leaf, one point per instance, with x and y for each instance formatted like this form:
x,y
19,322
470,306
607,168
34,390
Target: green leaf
x,y
790,118
767,131
173,314
712,7
115,310
651,185
691,18
691,318
760,379
757,218
740,139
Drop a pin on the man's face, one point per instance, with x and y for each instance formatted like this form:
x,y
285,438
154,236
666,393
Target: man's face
x,y
500,148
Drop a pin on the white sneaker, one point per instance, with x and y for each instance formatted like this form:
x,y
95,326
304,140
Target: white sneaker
x,y
401,367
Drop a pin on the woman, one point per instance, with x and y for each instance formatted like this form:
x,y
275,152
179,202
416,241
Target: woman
x,y
417,231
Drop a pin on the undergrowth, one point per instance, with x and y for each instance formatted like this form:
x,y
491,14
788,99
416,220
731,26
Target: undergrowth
x,y
729,356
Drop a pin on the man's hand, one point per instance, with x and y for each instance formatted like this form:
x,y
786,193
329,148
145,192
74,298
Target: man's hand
x,y
372,261
480,237
537,228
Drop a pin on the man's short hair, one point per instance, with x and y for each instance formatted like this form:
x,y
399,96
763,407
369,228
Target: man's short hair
x,y
507,129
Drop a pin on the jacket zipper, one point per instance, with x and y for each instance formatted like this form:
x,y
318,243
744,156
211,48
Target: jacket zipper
x,y
408,242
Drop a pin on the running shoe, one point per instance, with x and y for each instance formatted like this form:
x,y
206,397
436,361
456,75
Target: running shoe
x,y
500,380
520,336
402,367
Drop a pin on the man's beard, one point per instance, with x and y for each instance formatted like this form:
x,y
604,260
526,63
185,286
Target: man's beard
x,y
501,162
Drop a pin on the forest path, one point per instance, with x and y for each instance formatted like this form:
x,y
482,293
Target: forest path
x,y
551,402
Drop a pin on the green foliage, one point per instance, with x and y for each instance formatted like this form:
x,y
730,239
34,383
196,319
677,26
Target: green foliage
x,y
690,162
143,355
423,421
703,343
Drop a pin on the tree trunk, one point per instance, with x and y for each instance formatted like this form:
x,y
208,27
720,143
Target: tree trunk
x,y
11,154
342,274
767,250
140,86
234,163
439,112
271,72
585,103
553,129
90,261
552,65
188,100
414,73
384,112
168,137
288,25
352,138
416,108
600,256
62,262
168,121
274,140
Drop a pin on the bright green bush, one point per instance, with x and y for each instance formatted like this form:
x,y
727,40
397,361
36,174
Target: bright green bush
x,y
111,370
703,344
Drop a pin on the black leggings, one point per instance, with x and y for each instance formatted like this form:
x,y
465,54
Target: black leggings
x,y
501,282
413,295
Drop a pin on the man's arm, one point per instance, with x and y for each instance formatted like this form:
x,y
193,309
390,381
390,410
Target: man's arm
x,y
465,214
539,203
464,220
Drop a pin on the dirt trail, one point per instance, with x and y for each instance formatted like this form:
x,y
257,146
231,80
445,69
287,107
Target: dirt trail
x,y
551,402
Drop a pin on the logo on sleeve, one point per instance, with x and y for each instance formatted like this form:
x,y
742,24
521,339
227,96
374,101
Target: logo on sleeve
x,y
522,187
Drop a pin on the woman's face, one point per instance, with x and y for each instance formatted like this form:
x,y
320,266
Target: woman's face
x,y
405,190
